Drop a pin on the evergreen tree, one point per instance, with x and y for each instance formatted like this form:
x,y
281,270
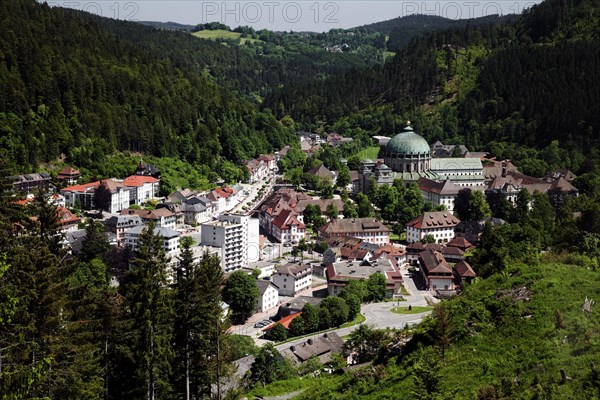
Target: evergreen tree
x,y
151,311
208,328
95,244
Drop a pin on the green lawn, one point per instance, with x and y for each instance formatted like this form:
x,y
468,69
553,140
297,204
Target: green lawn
x,y
369,153
358,320
414,310
223,34
388,54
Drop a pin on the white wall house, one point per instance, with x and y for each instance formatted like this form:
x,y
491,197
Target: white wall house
x,y
268,296
292,278
439,224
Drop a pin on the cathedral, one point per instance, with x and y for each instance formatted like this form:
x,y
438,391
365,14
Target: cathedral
x,y
408,156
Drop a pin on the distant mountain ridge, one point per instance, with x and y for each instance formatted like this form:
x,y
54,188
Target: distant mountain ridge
x,y
169,25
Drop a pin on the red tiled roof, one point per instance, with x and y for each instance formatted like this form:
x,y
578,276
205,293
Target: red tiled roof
x,y
82,188
287,218
67,172
66,217
139,180
285,321
459,242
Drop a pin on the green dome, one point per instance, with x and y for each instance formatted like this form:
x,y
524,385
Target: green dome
x,y
407,142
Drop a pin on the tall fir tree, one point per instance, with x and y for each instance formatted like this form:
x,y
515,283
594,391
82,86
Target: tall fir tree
x,y
149,302
210,328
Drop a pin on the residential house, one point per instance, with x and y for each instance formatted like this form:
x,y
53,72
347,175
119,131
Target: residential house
x,y
463,273
68,175
181,195
323,172
347,248
392,251
269,161
268,295
435,270
175,208
340,273
162,217
414,250
198,209
292,278
296,305
287,227
120,223
439,224
257,170
367,229
67,221
461,243
320,347
276,203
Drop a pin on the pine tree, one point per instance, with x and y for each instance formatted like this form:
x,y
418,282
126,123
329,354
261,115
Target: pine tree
x,y
149,302
186,295
209,327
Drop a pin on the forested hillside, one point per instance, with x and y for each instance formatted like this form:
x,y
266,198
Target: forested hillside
x,y
70,86
529,82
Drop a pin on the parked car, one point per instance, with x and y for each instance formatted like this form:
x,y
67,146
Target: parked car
x,y
259,325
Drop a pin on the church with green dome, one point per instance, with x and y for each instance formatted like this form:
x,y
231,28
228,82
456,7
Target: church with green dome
x,y
408,152
408,156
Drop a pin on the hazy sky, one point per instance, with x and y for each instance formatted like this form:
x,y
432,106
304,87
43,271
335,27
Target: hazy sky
x,y
297,15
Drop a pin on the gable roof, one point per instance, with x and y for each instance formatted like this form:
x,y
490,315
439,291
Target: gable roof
x,y
286,219
321,171
263,285
68,171
139,180
464,270
434,263
434,219
446,187
353,225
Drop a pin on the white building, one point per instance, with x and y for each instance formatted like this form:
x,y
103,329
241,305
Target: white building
x,y
467,172
287,227
197,210
232,234
142,188
82,196
368,229
268,296
170,239
439,224
292,278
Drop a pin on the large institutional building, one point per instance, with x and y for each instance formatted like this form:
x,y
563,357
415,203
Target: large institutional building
x,y
408,156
